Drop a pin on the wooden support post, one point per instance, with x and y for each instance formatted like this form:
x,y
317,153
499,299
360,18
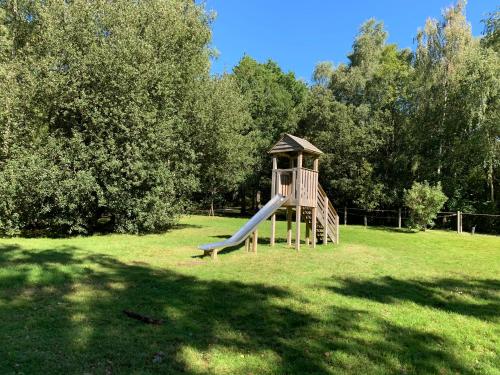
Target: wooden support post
x,y
314,226
308,233
298,194
247,244
314,210
315,164
458,221
325,226
255,241
273,229
297,229
289,226
399,218
345,216
213,255
274,184
275,162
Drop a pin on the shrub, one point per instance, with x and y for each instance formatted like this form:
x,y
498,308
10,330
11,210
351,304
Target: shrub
x,y
100,124
424,202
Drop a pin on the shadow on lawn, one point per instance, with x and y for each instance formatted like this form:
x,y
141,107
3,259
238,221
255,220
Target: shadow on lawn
x,y
241,246
61,312
393,230
264,240
470,297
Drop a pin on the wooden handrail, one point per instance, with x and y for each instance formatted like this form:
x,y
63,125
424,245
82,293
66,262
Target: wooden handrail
x,y
323,193
329,217
294,169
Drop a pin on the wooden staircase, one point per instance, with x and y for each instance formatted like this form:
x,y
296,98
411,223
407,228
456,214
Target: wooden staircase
x,y
327,220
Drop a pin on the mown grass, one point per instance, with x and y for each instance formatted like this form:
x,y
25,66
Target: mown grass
x,y
382,302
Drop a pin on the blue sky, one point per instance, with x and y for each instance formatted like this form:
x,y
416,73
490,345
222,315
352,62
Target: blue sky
x,y
299,33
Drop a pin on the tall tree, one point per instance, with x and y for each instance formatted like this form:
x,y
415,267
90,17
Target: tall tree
x,y
105,101
275,102
492,31
223,150
355,113
7,84
454,108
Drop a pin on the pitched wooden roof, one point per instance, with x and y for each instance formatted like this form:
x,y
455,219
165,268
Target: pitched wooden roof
x,y
291,143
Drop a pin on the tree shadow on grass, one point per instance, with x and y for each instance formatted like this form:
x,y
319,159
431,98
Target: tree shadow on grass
x,y
240,246
61,312
267,240
393,230
360,343
479,298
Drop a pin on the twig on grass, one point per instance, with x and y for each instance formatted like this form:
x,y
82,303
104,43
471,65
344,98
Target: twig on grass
x,y
142,318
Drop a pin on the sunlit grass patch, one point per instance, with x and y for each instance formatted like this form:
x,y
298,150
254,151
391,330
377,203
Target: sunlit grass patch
x,y
380,302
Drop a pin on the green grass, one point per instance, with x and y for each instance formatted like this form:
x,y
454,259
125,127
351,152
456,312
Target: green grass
x,y
382,302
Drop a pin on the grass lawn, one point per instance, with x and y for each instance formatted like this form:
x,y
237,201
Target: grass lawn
x,y
382,302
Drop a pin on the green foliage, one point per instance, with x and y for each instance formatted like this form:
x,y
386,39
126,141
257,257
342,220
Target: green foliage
x,y
108,112
368,45
492,31
115,81
224,153
351,115
391,116
350,137
454,109
275,103
50,189
424,202
323,73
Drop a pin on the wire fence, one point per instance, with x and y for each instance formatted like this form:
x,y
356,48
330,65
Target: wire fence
x,y
458,221
399,218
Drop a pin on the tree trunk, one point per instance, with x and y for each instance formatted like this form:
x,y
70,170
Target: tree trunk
x,y
212,198
490,182
243,201
211,213
443,120
254,200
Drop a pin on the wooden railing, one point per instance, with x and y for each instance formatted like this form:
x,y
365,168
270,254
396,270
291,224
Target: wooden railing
x,y
283,181
301,184
327,216
308,189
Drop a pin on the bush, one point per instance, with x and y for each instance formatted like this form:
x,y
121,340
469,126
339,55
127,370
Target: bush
x,y
424,202
100,124
48,191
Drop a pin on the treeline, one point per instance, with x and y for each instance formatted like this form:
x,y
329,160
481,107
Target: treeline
x,y
111,121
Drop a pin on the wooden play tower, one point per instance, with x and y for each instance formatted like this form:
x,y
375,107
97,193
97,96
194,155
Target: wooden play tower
x,y
299,181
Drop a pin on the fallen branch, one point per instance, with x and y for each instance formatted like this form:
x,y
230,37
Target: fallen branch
x,y
142,318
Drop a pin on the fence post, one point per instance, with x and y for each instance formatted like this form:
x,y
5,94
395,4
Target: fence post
x,y
399,219
345,216
458,221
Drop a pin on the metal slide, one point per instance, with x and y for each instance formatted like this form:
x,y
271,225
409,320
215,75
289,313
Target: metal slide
x,y
240,236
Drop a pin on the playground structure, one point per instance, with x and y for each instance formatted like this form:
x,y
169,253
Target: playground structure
x,y
292,187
